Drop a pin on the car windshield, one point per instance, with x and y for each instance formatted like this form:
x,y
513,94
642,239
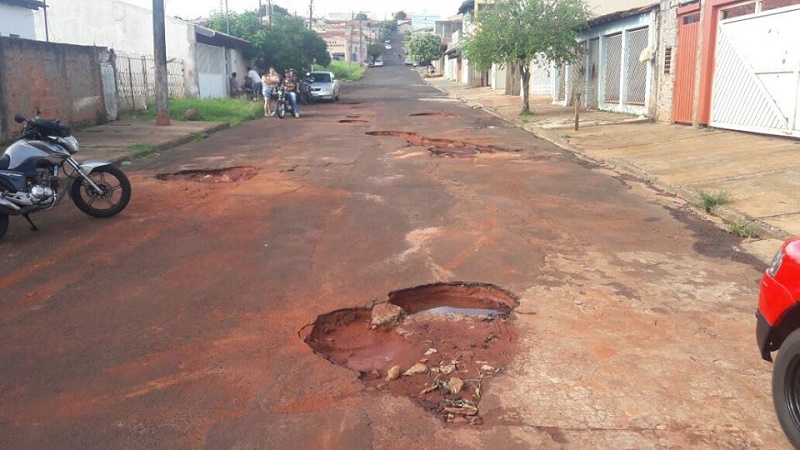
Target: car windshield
x,y
321,77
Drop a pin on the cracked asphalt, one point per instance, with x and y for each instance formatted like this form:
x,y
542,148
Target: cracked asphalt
x,y
180,323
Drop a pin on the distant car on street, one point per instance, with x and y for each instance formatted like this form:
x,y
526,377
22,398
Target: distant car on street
x,y
778,328
324,86
388,47
378,63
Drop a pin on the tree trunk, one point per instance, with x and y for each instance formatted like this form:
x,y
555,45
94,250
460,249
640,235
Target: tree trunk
x,y
525,71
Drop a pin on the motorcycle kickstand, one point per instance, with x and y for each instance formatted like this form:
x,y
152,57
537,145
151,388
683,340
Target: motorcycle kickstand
x,y
33,225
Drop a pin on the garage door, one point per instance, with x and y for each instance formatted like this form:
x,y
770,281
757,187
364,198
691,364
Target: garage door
x,y
757,73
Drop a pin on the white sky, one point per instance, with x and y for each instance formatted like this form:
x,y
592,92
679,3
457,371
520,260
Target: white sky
x,y
191,9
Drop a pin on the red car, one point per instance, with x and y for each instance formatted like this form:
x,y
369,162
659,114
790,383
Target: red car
x,y
778,328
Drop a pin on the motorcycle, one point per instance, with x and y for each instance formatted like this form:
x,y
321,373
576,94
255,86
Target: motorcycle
x,y
38,170
283,102
305,96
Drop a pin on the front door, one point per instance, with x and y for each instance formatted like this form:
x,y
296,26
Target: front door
x,y
685,64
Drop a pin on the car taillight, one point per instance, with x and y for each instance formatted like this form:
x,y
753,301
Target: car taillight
x,y
777,260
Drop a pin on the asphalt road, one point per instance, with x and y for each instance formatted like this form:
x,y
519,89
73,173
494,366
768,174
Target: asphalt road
x,y
180,323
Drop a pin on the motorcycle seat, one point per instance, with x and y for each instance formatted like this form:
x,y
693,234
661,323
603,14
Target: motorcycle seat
x,y
5,160
50,127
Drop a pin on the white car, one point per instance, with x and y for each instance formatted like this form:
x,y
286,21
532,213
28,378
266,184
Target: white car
x,y
378,63
324,86
388,47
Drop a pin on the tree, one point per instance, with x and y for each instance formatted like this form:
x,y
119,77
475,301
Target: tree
x,y
425,47
287,43
374,51
515,32
362,16
400,15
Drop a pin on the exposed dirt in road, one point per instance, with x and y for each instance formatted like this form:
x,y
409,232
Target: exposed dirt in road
x,y
438,344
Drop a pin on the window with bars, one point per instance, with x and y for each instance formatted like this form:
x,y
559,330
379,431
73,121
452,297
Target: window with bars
x,y
668,60
636,75
613,67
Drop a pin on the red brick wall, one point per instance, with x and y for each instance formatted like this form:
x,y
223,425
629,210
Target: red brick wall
x,y
62,80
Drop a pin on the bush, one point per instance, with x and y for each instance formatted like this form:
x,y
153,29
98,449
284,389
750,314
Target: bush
x,y
344,70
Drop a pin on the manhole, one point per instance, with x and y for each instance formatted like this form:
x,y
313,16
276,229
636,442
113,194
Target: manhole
x,y
352,121
227,175
439,344
436,114
442,147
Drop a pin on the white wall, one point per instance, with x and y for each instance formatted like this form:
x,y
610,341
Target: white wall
x,y
18,21
119,26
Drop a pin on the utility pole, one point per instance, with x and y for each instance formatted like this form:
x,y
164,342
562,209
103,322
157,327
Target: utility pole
x,y
227,19
269,7
160,56
310,14
46,28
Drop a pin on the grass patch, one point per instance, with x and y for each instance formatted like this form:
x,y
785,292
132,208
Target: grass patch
x,y
526,113
344,71
746,230
713,199
142,148
231,110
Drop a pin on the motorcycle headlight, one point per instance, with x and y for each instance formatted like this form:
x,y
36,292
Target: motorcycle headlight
x,y
70,142
777,260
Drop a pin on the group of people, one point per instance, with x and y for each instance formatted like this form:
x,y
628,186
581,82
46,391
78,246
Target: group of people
x,y
267,84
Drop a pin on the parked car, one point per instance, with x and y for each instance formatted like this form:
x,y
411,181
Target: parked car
x,y
378,63
778,328
324,85
387,47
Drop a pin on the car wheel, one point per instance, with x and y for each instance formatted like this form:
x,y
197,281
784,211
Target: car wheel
x,y
786,387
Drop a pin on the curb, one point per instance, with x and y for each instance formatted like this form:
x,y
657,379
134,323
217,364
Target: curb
x,y
172,143
728,215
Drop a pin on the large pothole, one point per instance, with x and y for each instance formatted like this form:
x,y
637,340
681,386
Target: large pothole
x,y
442,147
436,114
439,344
227,175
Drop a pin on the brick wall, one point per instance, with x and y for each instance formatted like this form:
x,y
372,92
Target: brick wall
x,y
63,80
667,39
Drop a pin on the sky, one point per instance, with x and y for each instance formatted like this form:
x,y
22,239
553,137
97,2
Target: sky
x,y
191,9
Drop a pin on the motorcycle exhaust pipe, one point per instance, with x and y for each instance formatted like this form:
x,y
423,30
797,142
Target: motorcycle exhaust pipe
x,y
6,205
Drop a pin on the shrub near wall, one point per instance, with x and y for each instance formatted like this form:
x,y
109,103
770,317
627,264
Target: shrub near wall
x,y
63,80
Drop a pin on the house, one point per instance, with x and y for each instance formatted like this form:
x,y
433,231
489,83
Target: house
x,y
748,76
16,18
347,40
617,71
199,59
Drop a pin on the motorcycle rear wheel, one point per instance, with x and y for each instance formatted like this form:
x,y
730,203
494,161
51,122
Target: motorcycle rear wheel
x,y
3,225
281,110
116,192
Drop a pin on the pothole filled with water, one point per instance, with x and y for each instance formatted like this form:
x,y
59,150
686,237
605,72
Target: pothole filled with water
x,y
439,344
226,175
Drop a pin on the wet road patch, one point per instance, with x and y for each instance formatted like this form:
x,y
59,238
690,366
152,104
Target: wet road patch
x,y
226,175
436,114
438,344
442,147
352,121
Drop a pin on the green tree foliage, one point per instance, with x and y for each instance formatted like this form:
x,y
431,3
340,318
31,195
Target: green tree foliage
x,y
400,15
287,43
515,32
374,51
425,47
362,16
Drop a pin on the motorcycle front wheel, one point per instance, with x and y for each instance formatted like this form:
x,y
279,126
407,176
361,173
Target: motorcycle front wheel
x,y
281,109
3,225
115,197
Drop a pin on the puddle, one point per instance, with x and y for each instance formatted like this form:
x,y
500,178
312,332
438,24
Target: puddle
x,y
436,114
438,344
442,147
352,121
227,175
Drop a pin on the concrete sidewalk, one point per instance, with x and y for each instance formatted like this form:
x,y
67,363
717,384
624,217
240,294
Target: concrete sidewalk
x,y
760,173
129,139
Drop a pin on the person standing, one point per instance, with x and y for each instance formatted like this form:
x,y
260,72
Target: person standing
x,y
255,81
269,82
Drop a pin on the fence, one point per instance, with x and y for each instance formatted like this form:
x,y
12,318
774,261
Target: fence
x,y
136,75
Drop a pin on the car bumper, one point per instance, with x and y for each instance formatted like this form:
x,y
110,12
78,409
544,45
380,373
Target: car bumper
x,y
322,95
763,333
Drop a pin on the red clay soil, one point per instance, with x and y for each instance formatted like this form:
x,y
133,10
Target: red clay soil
x,y
454,347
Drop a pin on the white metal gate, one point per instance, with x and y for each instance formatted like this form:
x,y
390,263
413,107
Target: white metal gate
x,y
211,76
757,73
